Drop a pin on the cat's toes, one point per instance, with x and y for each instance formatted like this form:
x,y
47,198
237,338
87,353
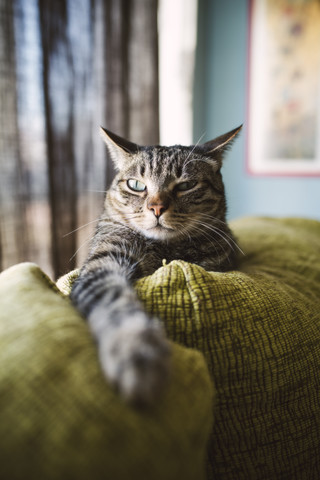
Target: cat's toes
x,y
136,360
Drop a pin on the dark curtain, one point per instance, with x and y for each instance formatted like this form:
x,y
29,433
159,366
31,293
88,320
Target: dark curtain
x,y
67,67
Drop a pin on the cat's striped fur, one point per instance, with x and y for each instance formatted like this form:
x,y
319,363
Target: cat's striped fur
x,y
164,203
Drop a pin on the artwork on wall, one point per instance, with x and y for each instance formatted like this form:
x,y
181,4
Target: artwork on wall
x,y
284,87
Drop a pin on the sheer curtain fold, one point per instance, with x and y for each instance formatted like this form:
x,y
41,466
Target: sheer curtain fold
x,y
66,68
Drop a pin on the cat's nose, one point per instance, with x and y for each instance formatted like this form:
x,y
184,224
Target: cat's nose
x,y
157,208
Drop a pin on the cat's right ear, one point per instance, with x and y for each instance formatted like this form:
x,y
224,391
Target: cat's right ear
x,y
216,148
119,148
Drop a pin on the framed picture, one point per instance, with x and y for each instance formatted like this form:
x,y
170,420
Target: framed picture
x,y
284,88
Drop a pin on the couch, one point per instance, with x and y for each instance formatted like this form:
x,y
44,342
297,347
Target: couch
x,y
243,401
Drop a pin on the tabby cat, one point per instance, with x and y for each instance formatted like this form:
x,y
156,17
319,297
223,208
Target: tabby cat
x,y
164,203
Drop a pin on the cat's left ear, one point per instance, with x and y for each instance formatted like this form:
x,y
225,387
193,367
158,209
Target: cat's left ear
x,y
119,148
217,147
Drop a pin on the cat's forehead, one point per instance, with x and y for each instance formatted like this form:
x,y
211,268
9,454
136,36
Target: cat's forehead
x,y
170,155
160,161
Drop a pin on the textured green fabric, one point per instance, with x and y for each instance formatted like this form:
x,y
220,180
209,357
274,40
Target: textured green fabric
x,y
58,417
258,329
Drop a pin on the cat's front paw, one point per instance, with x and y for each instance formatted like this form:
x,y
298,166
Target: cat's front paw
x,y
136,358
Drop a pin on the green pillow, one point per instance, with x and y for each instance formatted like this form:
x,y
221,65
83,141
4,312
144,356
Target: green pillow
x,y
259,329
60,420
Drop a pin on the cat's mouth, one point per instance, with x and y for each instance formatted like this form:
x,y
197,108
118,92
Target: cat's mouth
x,y
160,227
160,231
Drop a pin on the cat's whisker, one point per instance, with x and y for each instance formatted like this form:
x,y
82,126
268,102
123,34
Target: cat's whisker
x,y
221,233
194,147
79,228
97,191
129,215
231,239
212,217
227,238
109,215
81,246
215,228
208,238
196,228
183,231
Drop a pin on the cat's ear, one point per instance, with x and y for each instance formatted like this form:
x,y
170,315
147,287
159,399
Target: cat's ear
x,y
119,148
217,147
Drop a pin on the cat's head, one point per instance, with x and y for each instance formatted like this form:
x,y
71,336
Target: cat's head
x,y
168,192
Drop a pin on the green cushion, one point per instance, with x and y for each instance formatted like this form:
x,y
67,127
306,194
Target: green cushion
x,y
58,417
258,329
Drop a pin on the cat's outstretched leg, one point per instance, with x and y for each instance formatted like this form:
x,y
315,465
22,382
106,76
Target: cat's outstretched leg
x,y
135,358
133,351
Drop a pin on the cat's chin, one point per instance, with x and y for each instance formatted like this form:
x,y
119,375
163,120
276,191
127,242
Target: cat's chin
x,y
160,233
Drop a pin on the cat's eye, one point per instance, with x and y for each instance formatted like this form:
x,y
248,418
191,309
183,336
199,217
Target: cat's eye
x,y
185,186
135,185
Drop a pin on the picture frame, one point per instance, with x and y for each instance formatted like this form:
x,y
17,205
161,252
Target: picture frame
x,y
283,135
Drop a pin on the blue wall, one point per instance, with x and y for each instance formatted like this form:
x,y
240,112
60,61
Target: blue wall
x,y
220,105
